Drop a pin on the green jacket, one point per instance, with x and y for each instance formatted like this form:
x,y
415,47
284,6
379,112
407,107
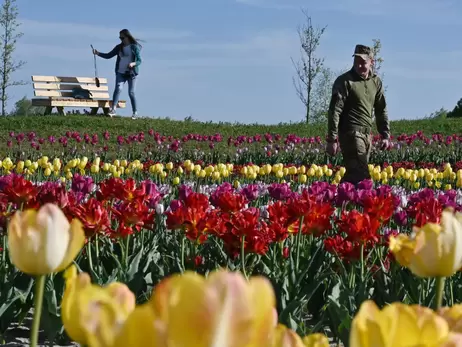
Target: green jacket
x,y
353,102
115,51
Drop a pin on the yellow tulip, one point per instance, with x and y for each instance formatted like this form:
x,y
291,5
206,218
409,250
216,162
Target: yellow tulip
x,y
285,337
223,310
92,315
140,329
316,340
42,242
453,316
399,325
94,168
435,250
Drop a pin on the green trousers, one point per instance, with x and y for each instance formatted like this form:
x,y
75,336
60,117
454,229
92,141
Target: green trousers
x,y
356,150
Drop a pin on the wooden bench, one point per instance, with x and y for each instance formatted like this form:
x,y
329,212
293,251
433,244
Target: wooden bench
x,y
56,91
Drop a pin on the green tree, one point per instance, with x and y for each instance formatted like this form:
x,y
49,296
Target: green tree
x,y
23,107
9,35
457,110
309,67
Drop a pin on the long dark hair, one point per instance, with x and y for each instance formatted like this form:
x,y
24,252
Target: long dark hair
x,y
128,34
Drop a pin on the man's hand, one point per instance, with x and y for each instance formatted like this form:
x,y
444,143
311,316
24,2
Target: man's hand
x,y
386,144
332,148
132,65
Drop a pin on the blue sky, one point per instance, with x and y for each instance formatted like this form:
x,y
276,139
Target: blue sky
x,y
229,60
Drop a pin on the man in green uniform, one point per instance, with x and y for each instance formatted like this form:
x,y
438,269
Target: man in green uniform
x,y
356,94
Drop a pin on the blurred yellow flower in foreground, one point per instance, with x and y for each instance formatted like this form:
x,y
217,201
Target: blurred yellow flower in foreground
x,y
93,315
399,325
453,316
188,310
42,242
285,337
435,250
222,310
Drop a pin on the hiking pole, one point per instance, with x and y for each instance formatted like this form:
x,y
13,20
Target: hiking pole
x,y
96,69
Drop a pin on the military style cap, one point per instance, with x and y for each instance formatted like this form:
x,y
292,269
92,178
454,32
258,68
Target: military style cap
x,y
364,52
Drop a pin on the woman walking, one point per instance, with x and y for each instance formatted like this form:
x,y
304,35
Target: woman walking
x,y
126,68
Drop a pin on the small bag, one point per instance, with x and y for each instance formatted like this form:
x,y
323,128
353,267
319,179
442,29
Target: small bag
x,y
80,93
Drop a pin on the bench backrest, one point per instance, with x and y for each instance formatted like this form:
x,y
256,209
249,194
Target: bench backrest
x,y
61,87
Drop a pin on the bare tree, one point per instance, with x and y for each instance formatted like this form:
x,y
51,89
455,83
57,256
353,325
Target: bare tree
x,y
321,95
9,36
309,66
378,59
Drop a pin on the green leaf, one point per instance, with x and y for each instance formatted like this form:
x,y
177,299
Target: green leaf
x,y
134,265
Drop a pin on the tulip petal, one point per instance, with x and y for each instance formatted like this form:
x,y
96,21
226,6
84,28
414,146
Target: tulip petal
x,y
75,245
285,337
183,301
402,248
451,243
55,238
401,327
316,340
425,262
139,330
70,305
434,329
123,296
366,329
263,302
19,246
234,326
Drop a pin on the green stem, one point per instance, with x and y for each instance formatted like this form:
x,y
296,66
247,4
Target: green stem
x,y
127,251
38,300
439,292
90,260
362,262
183,240
299,240
243,257
97,247
97,254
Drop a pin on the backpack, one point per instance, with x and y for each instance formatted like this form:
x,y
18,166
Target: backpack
x,y
80,93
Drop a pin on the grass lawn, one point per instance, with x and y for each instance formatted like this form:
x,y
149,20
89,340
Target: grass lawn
x,y
55,125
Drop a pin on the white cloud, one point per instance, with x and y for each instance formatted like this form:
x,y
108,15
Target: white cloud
x,y
266,48
33,28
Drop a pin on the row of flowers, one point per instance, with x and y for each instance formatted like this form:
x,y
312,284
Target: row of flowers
x,y
264,213
214,148
268,138
444,177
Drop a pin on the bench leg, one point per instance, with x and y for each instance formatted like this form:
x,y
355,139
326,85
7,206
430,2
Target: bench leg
x,y
48,111
106,111
94,111
60,110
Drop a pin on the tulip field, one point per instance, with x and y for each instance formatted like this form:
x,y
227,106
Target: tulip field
x,y
150,239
